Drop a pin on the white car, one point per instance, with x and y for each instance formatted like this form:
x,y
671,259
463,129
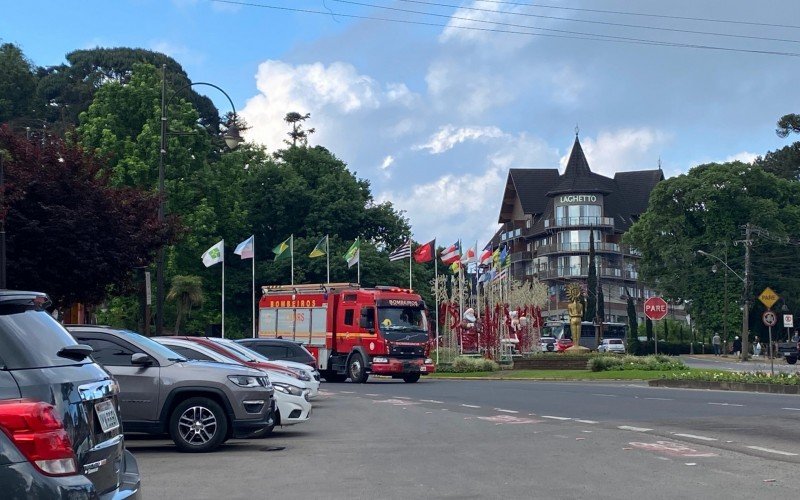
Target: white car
x,y
616,346
548,344
310,376
291,395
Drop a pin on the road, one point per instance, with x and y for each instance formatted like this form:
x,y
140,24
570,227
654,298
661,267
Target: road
x,y
503,439
760,364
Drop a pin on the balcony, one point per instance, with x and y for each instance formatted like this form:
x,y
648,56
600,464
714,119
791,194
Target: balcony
x,y
583,272
521,257
571,222
577,248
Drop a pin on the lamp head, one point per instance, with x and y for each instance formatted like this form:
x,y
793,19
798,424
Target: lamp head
x,y
232,137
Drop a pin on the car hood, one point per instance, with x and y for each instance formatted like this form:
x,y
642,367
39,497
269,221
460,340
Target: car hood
x,y
285,379
228,368
292,364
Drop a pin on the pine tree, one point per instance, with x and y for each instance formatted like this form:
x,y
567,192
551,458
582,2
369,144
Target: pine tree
x,y
591,284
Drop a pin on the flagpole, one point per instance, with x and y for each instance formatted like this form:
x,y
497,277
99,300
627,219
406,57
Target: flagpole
x,y
328,255
254,286
409,263
223,289
358,263
291,254
436,293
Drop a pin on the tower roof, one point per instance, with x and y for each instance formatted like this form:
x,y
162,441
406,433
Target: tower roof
x,y
578,177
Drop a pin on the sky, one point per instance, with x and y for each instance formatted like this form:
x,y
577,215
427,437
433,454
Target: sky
x,y
434,107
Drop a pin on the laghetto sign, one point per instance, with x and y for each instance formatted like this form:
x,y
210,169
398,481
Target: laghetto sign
x,y
568,199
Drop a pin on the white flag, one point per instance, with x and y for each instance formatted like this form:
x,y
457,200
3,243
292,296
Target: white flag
x,y
214,254
245,248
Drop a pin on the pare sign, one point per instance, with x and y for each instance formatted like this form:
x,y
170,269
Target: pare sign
x,y
655,308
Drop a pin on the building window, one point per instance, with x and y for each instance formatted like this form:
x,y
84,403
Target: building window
x,y
577,214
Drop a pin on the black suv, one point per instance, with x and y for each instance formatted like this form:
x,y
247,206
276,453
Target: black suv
x,y
281,349
60,434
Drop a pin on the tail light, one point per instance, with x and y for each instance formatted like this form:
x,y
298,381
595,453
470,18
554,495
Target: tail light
x,y
39,436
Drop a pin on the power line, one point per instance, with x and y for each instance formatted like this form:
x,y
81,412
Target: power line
x,y
590,37
605,23
643,14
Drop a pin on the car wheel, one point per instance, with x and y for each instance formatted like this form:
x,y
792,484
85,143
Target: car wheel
x,y
411,378
356,369
274,418
791,360
198,425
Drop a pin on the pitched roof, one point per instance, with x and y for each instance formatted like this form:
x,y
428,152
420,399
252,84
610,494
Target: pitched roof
x,y
631,197
530,185
578,177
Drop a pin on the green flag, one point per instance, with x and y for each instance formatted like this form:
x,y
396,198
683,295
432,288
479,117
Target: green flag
x,y
282,247
353,254
319,250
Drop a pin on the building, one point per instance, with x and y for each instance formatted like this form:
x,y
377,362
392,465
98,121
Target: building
x,y
547,218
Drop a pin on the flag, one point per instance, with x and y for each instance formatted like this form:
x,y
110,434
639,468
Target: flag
x,y
498,276
282,247
245,248
401,252
319,250
455,265
469,255
353,254
452,253
424,253
488,275
496,258
504,256
214,254
486,256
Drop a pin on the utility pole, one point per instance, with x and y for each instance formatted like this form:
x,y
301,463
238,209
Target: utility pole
x,y
748,242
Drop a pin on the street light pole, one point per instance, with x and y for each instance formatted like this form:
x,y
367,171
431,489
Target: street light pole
x,y
746,285
232,140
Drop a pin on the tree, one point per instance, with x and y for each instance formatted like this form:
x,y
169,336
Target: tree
x,y
590,313
633,324
187,291
69,232
788,124
784,162
17,84
648,329
297,134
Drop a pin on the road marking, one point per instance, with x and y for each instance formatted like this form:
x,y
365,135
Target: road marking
x,y
793,409
505,411
660,399
347,392
402,397
606,395
397,402
509,419
431,401
373,395
672,449
556,418
470,406
693,436
586,421
635,429
725,404
770,450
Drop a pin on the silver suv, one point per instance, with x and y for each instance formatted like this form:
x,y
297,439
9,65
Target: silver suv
x,y
199,404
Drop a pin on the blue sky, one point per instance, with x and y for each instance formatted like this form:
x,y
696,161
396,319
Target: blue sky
x,y
434,116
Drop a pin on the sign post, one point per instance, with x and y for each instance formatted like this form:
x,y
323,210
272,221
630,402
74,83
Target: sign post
x,y
655,308
770,319
788,323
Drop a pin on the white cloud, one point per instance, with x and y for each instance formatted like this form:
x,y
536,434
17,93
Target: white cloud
x,y
622,150
470,89
448,136
744,157
177,52
387,162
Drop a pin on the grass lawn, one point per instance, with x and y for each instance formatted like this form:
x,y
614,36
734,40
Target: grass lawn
x,y
562,374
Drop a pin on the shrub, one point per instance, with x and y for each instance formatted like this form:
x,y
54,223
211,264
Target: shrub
x,y
605,362
740,377
464,364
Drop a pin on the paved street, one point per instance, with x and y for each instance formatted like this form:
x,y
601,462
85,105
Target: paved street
x,y
503,439
730,363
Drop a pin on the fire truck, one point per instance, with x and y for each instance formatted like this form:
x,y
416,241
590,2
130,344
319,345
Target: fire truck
x,y
351,331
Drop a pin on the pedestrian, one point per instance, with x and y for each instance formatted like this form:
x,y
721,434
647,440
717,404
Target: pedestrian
x,y
795,337
757,348
737,346
716,341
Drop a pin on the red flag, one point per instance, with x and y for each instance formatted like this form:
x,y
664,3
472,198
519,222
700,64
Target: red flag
x,y
424,253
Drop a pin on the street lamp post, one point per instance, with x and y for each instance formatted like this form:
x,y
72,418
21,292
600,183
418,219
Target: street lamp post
x,y
232,140
744,295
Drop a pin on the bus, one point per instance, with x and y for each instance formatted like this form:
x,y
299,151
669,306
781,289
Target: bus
x,y
561,330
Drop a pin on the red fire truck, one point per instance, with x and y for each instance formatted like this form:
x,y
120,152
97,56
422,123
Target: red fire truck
x,y
351,331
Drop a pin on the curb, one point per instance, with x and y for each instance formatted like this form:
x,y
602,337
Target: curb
x,y
726,386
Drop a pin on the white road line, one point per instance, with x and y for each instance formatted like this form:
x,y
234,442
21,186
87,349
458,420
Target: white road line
x,y
725,404
693,436
586,421
556,418
347,392
606,395
399,397
660,399
635,429
793,409
374,395
506,411
769,450
431,401
470,406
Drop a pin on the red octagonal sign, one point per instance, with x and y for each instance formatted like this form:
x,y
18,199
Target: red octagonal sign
x,y
655,308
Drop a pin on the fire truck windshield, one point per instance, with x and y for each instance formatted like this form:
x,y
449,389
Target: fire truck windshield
x,y
403,324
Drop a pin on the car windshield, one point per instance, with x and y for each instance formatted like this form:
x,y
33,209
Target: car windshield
x,y
153,346
615,341
242,352
403,324
32,339
552,331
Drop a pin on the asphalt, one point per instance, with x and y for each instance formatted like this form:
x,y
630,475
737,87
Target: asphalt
x,y
730,363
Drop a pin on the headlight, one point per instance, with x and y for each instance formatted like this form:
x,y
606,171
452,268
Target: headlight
x,y
245,381
428,361
380,360
288,389
303,375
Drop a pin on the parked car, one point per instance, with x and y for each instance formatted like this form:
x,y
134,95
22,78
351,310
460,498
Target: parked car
x,y
199,404
563,344
548,344
281,349
616,346
789,351
291,395
60,434
252,359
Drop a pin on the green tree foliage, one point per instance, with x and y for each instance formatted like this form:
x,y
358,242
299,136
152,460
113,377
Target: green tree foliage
x,y
633,325
69,232
186,291
298,133
648,329
788,124
706,209
784,162
590,311
17,85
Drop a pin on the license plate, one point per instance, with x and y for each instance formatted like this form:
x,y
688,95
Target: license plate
x,y
423,368
107,415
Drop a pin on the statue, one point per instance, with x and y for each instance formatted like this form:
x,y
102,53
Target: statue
x,y
575,310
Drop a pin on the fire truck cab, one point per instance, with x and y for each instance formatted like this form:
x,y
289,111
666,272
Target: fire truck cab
x,y
352,331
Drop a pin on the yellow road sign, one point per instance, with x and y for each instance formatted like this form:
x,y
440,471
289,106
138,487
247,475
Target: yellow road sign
x,y
768,297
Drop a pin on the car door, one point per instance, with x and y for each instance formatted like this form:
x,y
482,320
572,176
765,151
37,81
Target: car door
x,y
139,385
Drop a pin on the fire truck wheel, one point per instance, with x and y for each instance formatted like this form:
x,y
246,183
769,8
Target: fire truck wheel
x,y
356,369
411,378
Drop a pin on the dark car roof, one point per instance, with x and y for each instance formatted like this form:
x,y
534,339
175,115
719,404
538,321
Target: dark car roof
x,y
271,341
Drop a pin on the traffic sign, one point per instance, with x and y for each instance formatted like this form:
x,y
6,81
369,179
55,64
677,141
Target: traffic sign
x,y
768,297
655,308
769,318
788,321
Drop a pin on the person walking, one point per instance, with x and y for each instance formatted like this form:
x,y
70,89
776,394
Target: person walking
x,y
716,341
737,346
757,348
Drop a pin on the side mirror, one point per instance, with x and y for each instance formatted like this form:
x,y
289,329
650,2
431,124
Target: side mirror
x,y
141,359
76,352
